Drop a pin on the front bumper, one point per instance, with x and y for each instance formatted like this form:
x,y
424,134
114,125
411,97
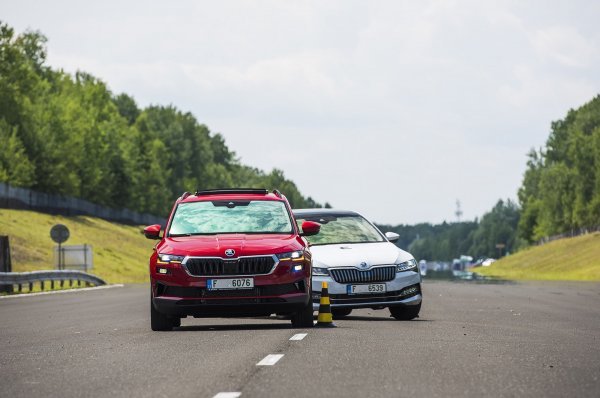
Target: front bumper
x,y
282,291
195,299
230,307
394,296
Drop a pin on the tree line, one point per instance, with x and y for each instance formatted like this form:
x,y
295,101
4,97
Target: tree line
x,y
70,135
561,187
560,193
479,238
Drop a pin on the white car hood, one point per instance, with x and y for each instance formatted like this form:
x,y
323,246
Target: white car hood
x,y
351,255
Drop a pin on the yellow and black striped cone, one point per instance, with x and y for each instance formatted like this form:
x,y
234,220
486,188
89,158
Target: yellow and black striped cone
x,y
325,319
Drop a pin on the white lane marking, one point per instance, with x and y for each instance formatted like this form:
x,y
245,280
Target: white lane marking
x,y
228,395
83,289
270,360
298,336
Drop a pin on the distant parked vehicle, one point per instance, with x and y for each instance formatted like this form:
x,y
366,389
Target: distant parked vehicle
x,y
361,265
488,261
423,267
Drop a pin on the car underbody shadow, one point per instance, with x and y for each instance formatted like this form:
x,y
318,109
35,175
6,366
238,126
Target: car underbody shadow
x,y
233,327
378,319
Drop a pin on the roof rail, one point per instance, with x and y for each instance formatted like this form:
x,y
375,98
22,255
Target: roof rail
x,y
232,191
276,192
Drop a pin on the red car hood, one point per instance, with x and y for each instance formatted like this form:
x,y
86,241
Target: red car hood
x,y
215,245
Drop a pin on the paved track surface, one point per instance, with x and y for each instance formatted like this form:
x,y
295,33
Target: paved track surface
x,y
533,339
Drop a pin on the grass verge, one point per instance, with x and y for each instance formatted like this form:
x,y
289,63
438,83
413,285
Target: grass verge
x,y
120,252
573,259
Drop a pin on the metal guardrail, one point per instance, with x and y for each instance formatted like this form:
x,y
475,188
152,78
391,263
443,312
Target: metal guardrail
x,y
60,276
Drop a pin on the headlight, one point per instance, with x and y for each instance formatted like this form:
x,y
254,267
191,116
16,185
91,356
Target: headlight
x,y
294,256
318,271
169,258
410,265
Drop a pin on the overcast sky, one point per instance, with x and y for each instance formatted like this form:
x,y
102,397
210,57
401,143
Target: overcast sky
x,y
393,109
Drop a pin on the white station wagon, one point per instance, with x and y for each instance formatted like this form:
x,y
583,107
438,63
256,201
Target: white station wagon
x,y
362,266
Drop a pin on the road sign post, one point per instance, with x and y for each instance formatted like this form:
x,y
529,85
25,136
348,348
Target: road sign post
x,y
59,234
500,246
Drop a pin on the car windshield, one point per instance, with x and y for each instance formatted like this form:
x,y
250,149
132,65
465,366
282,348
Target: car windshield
x,y
228,217
342,229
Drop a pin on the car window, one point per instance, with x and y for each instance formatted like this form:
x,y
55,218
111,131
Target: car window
x,y
345,229
221,217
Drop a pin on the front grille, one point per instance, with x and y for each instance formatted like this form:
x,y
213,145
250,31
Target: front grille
x,y
353,275
239,266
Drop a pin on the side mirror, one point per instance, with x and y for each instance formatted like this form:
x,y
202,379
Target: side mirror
x,y
310,228
392,236
152,231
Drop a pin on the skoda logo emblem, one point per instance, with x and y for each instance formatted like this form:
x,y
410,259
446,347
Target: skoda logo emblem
x,y
364,265
229,252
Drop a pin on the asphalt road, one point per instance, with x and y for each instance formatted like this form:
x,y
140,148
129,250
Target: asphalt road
x,y
534,339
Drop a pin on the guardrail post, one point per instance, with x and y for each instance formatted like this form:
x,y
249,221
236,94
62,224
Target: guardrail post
x,y
5,262
30,286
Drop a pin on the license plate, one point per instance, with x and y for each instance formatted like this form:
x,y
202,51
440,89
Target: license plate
x,y
230,284
366,289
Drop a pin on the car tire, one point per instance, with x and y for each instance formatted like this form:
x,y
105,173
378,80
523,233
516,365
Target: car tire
x,y
340,312
304,317
160,322
405,313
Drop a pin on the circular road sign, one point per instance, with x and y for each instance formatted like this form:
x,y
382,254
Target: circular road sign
x,y
59,233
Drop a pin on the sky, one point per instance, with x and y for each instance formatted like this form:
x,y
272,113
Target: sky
x,y
394,109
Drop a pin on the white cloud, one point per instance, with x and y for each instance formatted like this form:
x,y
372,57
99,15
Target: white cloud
x,y
565,45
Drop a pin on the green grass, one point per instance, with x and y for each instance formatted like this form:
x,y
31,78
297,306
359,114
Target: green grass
x,y
120,251
574,259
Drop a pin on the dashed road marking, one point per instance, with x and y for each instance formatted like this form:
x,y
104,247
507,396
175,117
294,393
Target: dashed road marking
x,y
270,360
228,395
298,336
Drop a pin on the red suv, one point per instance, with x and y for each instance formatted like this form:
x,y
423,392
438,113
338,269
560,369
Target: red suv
x,y
230,253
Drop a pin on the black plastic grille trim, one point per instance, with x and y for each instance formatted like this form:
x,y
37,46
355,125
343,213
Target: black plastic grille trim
x,y
369,298
199,292
353,275
240,266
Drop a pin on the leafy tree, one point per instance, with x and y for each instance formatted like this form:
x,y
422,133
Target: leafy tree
x,y
561,188
15,167
70,135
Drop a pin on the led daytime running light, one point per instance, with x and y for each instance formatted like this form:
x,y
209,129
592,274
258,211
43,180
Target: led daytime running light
x,y
169,258
407,265
294,256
